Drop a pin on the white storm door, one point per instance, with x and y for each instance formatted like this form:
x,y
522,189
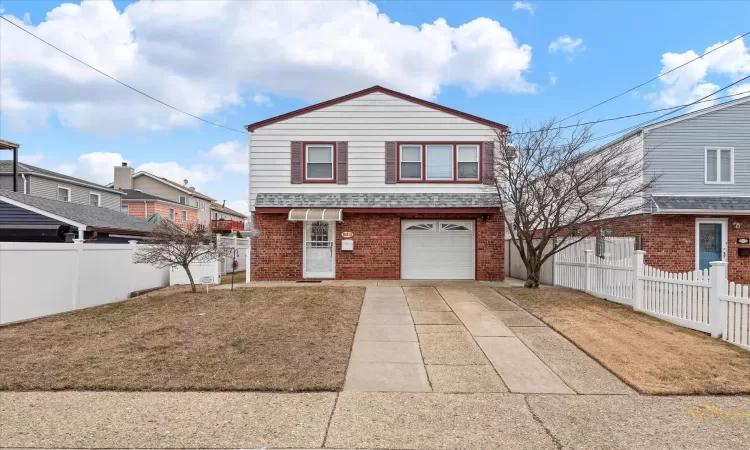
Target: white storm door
x,y
319,250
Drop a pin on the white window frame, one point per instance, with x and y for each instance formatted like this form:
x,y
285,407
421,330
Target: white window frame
x,y
200,204
183,215
421,162
181,201
453,162
67,189
171,214
478,161
127,209
98,198
406,224
305,238
725,239
307,161
465,223
719,151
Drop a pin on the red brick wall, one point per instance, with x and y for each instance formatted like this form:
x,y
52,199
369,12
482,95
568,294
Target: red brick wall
x,y
277,248
669,241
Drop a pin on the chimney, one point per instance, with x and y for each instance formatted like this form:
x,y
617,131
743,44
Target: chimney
x,y
224,203
123,176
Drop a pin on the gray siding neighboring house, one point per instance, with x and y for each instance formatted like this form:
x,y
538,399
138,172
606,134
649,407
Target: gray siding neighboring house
x,y
677,150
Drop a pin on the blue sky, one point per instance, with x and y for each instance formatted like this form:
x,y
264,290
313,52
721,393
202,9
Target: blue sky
x,y
238,63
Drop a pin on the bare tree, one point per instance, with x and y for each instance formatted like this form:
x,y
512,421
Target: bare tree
x,y
554,191
169,246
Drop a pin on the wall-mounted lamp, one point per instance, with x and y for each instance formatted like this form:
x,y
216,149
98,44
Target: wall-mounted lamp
x,y
736,225
484,217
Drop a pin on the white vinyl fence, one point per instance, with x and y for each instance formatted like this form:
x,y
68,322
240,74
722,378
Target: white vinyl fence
x,y
39,279
700,300
515,268
240,248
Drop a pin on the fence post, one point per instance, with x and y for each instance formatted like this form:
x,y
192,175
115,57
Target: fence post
x,y
248,258
637,281
78,245
718,276
587,270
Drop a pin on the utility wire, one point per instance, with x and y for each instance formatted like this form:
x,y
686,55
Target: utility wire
x,y
652,79
120,82
593,122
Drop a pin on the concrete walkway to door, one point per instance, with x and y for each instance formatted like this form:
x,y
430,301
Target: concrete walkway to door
x,y
464,338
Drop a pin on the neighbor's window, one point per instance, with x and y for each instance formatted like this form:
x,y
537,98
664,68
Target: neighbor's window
x,y
411,162
63,194
94,199
468,162
183,200
184,216
719,165
439,162
200,204
319,162
125,209
171,214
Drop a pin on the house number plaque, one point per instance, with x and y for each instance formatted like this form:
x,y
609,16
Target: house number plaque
x,y
743,240
347,235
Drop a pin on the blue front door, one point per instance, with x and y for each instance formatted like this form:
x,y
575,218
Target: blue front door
x,y
710,244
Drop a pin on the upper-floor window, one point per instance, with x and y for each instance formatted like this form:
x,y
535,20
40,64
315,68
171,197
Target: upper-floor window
x,y
319,162
125,209
183,200
719,165
439,162
200,204
95,199
63,194
184,216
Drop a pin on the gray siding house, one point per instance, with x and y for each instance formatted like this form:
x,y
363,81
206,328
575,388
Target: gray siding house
x,y
699,209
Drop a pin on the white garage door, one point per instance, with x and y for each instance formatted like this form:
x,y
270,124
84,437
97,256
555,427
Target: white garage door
x,y
437,249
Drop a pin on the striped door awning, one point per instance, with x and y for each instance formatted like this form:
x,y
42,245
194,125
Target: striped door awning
x,y
313,214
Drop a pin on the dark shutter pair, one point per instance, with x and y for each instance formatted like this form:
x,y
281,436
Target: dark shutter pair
x,y
342,162
488,163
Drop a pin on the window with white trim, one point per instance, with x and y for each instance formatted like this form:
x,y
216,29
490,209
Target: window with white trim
x,y
719,165
420,227
468,162
411,162
184,216
447,226
95,199
125,209
182,200
439,164
319,162
171,214
200,204
63,194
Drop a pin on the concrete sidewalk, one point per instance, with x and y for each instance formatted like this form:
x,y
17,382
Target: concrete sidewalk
x,y
370,420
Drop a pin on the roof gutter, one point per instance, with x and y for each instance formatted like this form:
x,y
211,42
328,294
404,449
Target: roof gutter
x,y
706,212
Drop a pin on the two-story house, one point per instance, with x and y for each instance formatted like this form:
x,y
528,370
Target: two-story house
x,y
226,220
699,209
43,205
146,194
375,184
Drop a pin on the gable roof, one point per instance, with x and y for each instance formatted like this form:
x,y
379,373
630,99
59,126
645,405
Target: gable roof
x,y
6,167
173,184
136,195
218,207
254,126
83,216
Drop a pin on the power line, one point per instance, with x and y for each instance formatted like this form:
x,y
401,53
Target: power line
x,y
120,82
652,79
674,110
610,119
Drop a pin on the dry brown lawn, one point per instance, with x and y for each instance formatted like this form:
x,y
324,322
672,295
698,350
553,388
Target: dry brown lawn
x,y
652,356
269,339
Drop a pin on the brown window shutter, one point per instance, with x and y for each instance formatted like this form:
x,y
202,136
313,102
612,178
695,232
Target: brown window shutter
x,y
342,163
390,163
488,163
296,162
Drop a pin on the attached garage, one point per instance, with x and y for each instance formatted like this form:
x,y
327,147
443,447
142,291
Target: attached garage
x,y
438,249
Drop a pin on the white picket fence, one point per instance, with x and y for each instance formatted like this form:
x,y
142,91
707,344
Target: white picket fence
x,y
700,300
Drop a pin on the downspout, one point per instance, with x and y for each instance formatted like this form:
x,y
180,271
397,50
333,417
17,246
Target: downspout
x,y
23,175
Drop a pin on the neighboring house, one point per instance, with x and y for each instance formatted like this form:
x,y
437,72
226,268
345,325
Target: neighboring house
x,y
56,186
699,210
226,220
32,218
375,184
142,205
184,194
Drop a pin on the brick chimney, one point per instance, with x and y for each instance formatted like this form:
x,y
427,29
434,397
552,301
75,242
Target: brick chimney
x,y
123,176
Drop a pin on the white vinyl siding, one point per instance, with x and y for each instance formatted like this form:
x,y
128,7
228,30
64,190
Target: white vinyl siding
x,y
366,123
47,188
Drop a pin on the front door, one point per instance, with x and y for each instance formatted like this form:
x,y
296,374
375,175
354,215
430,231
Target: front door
x,y
710,242
319,249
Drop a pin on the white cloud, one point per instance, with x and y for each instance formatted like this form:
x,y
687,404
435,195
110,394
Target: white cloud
x,y
240,206
262,100
31,158
691,82
97,167
232,153
566,44
185,53
524,6
195,175
552,78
